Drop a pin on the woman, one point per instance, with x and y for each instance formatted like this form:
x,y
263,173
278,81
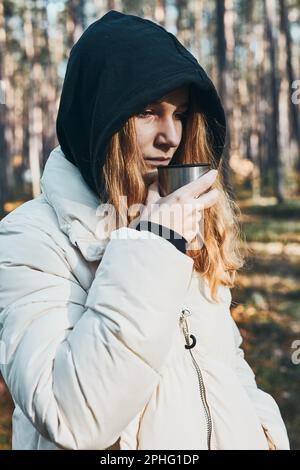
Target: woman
x,y
116,337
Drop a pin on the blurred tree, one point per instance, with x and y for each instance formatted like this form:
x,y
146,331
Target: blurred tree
x,y
3,151
9,75
76,21
274,153
160,12
185,22
225,61
292,110
136,7
33,55
50,85
249,49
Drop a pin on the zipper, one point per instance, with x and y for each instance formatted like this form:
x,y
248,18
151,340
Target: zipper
x,y
190,345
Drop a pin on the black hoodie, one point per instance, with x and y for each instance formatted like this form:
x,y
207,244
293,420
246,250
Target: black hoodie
x,y
120,64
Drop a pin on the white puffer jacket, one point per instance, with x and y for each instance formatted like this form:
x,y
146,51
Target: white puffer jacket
x,y
94,353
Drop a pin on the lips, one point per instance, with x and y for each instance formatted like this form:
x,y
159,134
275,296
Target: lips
x,y
161,159
158,160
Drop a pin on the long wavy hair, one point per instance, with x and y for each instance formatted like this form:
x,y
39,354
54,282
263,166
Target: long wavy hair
x,y
124,174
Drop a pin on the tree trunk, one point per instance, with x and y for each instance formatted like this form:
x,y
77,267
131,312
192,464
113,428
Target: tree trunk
x,y
160,12
75,21
287,47
198,32
274,117
224,49
34,102
2,114
185,23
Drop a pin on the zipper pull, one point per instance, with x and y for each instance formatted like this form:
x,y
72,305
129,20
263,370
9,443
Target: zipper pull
x,y
184,325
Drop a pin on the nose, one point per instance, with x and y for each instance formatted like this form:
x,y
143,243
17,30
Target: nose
x,y
169,133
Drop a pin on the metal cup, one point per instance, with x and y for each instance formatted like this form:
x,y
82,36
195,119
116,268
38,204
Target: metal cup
x,y
173,177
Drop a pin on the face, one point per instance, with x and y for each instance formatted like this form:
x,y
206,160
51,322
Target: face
x,y
159,127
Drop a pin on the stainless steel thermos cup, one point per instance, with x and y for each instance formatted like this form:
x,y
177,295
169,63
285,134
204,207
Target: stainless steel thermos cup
x,y
172,177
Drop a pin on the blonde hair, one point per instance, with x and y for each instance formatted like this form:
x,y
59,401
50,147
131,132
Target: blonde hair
x,y
220,257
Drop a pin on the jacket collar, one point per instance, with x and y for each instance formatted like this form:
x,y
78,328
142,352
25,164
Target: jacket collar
x,y
79,211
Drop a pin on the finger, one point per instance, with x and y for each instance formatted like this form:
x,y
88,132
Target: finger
x,y
198,186
208,199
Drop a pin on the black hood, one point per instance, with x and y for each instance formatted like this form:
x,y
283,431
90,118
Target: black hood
x,y
119,65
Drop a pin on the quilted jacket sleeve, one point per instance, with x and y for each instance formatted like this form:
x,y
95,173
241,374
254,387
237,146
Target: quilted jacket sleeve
x,y
79,364
266,407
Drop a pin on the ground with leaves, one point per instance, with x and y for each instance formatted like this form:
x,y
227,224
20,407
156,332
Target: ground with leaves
x,y
265,305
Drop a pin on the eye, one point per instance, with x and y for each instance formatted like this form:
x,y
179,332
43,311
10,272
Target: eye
x,y
145,113
149,112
